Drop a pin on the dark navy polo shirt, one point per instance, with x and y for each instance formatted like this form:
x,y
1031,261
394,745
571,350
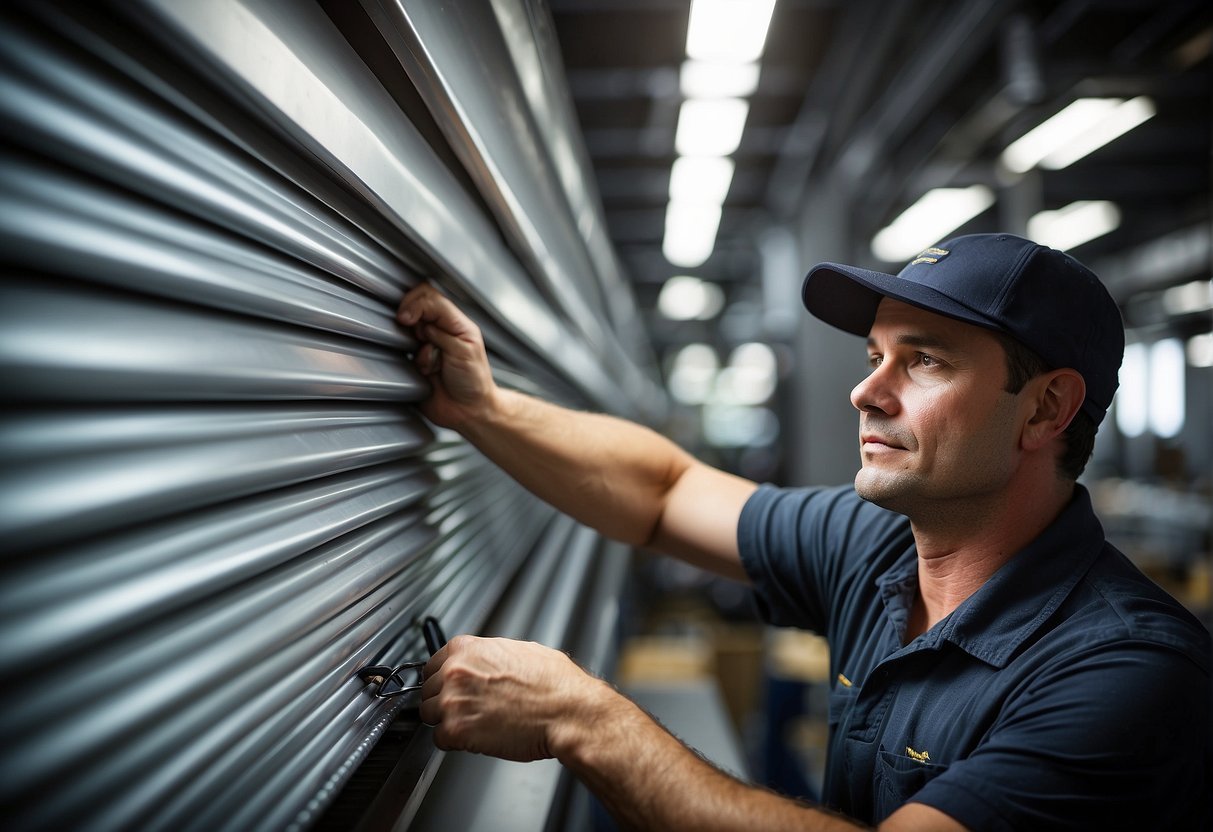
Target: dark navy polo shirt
x,y
1069,692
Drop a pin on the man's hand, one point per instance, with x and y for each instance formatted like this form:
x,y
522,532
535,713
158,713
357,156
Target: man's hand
x,y
522,701
452,356
511,699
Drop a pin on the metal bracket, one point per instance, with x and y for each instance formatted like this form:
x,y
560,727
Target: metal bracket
x,y
387,679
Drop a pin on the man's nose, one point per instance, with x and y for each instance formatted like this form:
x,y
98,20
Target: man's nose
x,y
875,394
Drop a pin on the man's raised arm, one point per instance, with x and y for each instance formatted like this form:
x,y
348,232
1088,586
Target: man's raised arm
x,y
620,478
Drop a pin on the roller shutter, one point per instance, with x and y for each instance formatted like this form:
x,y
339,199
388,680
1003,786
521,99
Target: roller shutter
x,y
217,502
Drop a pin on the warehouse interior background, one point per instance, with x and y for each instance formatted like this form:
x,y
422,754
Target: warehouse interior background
x,y
217,510
866,132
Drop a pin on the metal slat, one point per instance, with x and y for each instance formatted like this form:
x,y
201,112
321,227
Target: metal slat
x,y
60,341
464,565
172,462
126,141
212,163
404,795
57,219
464,603
54,608
335,106
162,696
182,639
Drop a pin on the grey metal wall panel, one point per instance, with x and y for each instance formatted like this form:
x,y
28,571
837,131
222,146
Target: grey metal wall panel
x,y
217,504
61,341
97,591
336,108
133,243
72,90
499,139
517,145
530,35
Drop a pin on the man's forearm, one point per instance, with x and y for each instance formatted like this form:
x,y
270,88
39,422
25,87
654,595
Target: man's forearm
x,y
522,701
620,478
610,474
650,780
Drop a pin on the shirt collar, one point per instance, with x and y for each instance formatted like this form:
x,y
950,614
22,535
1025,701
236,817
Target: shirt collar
x,y
1008,608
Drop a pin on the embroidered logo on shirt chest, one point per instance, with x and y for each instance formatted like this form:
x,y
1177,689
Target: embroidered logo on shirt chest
x,y
919,756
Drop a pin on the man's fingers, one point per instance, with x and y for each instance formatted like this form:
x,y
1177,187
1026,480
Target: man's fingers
x,y
451,354
413,303
438,322
431,686
429,359
445,341
431,679
430,712
446,739
436,661
424,304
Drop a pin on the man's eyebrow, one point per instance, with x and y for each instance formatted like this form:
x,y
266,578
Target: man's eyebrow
x,y
910,339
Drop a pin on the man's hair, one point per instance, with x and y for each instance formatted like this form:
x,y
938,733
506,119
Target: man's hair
x,y
1023,365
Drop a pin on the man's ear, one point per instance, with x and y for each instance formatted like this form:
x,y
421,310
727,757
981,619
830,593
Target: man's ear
x,y
1056,397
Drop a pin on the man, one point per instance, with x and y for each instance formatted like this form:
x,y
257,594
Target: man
x,y
996,664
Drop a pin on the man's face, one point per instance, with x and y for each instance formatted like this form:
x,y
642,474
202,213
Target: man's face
x,y
935,425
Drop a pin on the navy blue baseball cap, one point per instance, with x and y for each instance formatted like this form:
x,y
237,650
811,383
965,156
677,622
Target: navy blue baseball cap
x,y
1041,297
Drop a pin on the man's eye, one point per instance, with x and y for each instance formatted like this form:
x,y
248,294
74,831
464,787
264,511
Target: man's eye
x,y
875,360
927,360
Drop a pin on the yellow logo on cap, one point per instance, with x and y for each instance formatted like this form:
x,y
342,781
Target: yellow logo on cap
x,y
931,255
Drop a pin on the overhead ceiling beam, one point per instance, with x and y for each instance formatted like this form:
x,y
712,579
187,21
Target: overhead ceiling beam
x,y
833,97
867,168
919,87
617,82
1181,255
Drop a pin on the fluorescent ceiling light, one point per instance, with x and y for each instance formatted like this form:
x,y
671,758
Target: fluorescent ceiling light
x,y
1189,298
685,298
930,219
690,232
1079,129
1166,387
715,79
693,374
710,127
738,426
1123,118
1075,224
729,30
1024,153
701,178
750,377
1200,350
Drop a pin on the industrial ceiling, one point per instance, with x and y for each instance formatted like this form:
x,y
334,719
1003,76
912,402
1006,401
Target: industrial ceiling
x,y
877,102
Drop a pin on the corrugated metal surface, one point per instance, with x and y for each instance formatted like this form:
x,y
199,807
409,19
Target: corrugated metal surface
x,y
217,504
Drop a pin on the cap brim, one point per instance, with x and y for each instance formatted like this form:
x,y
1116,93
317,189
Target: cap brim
x,y
847,296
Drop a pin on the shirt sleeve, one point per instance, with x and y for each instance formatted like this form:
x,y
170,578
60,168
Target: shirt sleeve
x,y
1116,739
801,547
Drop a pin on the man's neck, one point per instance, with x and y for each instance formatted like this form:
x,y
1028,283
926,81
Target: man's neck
x,y
959,550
